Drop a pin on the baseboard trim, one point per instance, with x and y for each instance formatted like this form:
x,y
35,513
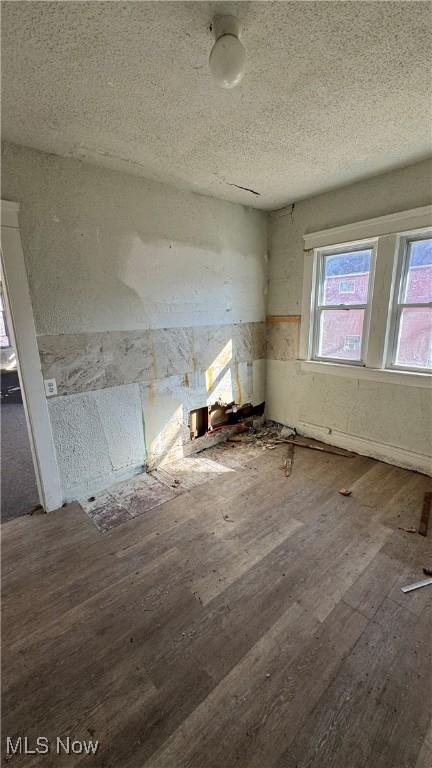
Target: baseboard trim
x,y
390,454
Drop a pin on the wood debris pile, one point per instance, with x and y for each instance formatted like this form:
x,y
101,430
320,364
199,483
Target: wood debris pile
x,y
270,435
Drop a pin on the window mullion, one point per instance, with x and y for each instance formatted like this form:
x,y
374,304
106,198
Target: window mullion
x,y
380,299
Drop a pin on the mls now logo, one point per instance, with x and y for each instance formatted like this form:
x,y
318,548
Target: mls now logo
x,y
22,745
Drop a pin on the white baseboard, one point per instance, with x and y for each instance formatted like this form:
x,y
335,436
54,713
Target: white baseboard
x,y
391,454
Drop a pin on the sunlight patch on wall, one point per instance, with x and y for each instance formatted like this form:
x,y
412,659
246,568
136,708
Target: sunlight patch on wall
x,y
221,361
169,438
222,391
218,377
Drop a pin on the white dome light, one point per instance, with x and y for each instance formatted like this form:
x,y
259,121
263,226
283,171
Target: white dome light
x,y
228,57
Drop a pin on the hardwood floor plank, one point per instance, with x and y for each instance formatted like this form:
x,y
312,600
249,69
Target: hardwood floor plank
x,y
341,571
424,759
258,701
347,718
371,588
212,585
403,710
254,621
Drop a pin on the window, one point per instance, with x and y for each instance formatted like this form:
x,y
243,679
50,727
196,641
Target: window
x,y
341,317
411,332
367,299
352,343
4,334
347,286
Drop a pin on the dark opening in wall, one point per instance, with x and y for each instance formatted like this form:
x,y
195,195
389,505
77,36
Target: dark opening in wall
x,y
217,416
198,422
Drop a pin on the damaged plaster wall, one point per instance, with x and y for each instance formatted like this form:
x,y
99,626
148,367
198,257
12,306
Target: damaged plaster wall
x,y
139,292
385,420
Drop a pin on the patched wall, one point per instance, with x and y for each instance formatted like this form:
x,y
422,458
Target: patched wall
x,y
82,362
282,338
148,302
385,419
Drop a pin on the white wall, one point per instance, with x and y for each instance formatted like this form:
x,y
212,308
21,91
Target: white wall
x,y
388,421
107,251
110,251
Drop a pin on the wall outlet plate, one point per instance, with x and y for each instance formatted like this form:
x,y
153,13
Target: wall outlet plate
x,y
50,387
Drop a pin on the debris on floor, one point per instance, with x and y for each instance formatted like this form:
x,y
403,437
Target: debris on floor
x,y
322,448
288,462
287,432
129,499
227,518
266,437
407,529
345,492
425,515
416,585
272,434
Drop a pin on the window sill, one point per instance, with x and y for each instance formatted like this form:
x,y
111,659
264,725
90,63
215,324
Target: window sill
x,y
405,378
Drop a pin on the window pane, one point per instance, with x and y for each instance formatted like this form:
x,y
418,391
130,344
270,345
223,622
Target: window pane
x,y
414,348
341,333
419,276
346,277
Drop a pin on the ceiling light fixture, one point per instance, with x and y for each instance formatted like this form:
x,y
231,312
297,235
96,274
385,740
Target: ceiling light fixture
x,y
227,57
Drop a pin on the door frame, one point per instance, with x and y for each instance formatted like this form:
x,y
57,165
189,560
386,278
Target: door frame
x,y
19,313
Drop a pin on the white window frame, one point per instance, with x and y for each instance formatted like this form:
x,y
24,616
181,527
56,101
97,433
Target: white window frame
x,y
319,307
398,304
389,232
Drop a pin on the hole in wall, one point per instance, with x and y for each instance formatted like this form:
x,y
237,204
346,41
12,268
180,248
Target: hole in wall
x,y
213,417
198,422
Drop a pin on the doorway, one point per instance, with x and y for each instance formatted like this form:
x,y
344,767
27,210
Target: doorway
x,y
24,389
19,491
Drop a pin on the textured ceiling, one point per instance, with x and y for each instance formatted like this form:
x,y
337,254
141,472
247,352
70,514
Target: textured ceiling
x,y
333,91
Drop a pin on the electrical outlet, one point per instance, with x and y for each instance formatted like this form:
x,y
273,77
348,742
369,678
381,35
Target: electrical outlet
x,y
50,387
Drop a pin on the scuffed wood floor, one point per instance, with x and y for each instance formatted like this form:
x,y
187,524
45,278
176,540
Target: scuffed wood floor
x,y
254,622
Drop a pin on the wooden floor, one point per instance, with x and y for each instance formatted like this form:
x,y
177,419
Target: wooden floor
x,y
254,622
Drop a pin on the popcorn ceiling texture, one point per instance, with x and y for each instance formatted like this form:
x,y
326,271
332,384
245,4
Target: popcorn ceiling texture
x,y
333,92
